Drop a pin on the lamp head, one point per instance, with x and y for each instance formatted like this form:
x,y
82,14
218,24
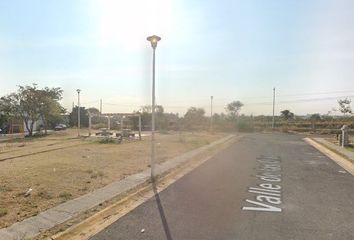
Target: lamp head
x,y
153,40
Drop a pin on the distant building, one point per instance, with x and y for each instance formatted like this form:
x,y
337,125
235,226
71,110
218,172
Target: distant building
x,y
17,125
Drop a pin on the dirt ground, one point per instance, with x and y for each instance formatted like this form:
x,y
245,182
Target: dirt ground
x,y
60,167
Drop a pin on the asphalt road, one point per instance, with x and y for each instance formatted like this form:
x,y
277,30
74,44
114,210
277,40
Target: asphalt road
x,y
266,186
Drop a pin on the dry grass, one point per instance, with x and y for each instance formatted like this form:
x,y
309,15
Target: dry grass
x,y
3,212
60,175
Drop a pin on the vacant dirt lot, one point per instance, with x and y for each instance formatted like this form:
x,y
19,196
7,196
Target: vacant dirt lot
x,y
61,167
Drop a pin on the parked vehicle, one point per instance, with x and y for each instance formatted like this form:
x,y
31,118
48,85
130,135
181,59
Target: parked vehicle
x,y
60,127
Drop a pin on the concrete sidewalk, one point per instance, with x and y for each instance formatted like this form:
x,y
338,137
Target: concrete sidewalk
x,y
342,151
48,219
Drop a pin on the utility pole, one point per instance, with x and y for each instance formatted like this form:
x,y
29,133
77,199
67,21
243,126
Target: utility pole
x,y
273,107
101,106
90,123
211,113
78,112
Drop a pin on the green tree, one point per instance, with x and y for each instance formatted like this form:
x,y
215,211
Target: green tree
x,y
84,119
234,108
6,112
50,109
315,118
194,118
3,120
287,115
344,106
160,118
32,104
93,111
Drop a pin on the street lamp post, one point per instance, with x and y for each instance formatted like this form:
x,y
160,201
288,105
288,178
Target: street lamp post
x,y
153,40
273,119
211,113
78,112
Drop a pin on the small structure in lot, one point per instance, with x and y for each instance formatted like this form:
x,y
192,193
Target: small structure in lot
x,y
127,133
104,132
344,137
123,131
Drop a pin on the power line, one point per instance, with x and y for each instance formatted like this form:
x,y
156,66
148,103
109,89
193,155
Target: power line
x,y
301,100
246,103
205,105
292,95
314,93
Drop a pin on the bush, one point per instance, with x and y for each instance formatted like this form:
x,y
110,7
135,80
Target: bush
x,y
44,194
65,195
107,140
245,126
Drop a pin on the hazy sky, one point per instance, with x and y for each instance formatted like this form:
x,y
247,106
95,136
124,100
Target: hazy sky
x,y
233,50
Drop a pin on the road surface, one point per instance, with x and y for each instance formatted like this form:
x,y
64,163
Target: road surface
x,y
266,186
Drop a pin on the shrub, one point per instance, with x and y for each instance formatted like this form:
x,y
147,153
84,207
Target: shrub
x,y
44,194
4,188
65,195
107,140
3,212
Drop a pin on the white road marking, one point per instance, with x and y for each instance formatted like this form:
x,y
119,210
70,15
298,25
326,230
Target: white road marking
x,y
268,193
264,208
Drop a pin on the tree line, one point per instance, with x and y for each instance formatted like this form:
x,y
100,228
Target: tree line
x,y
194,119
31,104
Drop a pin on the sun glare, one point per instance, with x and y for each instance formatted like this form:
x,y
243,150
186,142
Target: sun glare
x,y
127,23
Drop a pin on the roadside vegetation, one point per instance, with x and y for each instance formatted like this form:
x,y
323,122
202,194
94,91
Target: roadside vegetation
x,y
351,148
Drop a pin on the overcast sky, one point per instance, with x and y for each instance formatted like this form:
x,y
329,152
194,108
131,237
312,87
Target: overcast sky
x,y
233,50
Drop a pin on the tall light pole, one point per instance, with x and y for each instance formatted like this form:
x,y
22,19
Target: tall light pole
x,y
273,107
211,113
101,106
78,112
153,40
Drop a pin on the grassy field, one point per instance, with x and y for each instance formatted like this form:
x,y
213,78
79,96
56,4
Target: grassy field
x,y
60,167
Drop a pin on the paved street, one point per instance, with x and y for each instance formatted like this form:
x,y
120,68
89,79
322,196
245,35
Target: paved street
x,y
266,186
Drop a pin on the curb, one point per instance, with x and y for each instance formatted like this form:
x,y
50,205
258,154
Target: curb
x,y
341,161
